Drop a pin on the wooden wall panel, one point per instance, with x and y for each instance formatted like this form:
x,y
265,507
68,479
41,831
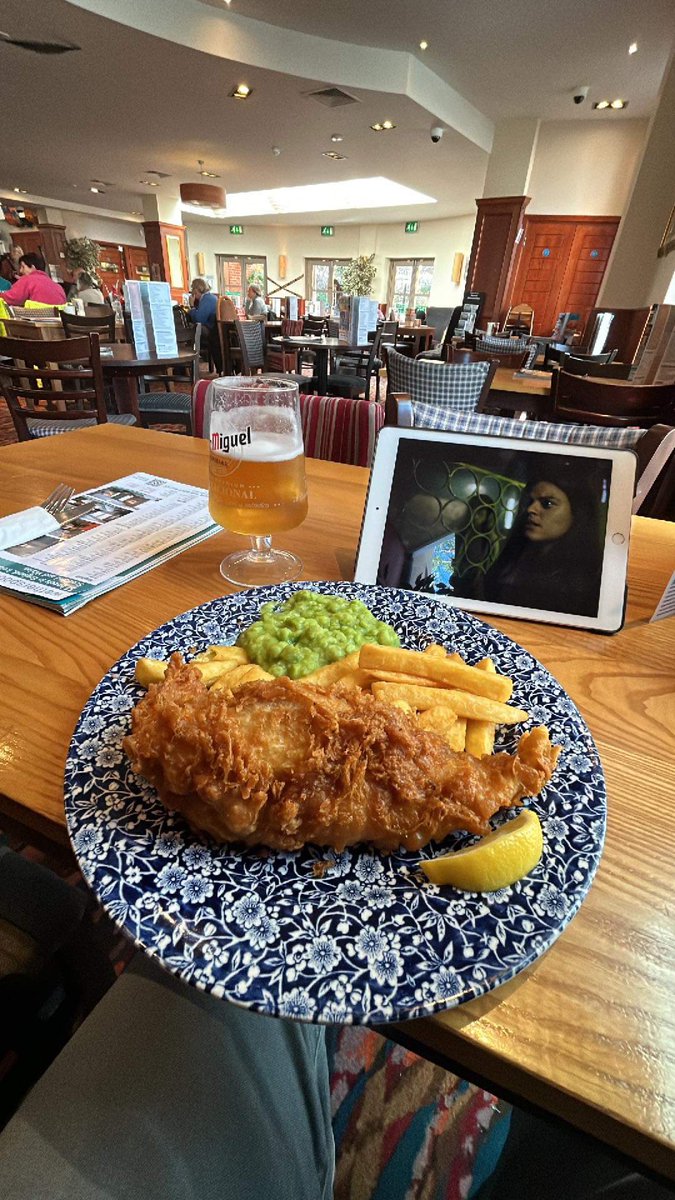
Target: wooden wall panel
x,y
493,250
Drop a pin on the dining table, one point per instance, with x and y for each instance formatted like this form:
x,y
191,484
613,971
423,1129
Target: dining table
x,y
419,337
520,393
322,347
587,1032
123,366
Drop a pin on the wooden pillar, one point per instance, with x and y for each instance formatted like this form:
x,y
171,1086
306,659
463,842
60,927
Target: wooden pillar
x,y
167,255
493,253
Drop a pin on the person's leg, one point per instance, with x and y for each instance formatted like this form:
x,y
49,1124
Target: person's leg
x,y
169,1094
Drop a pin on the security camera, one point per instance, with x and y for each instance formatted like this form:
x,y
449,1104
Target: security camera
x,y
580,93
436,133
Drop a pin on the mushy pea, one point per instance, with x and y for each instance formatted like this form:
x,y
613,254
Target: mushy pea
x,y
309,631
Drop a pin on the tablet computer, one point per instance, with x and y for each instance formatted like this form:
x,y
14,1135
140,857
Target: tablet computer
x,y
518,528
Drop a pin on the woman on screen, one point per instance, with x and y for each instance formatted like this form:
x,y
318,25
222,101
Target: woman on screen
x,y
553,558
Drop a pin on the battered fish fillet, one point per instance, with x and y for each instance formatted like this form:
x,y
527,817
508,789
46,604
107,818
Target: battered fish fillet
x,y
281,764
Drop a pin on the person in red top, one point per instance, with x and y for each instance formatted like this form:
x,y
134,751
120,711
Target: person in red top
x,y
34,284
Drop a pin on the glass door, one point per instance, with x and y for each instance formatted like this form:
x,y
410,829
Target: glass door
x,y
410,281
323,278
236,273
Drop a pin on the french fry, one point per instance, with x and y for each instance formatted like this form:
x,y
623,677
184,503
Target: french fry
x,y
439,720
436,670
399,677
435,650
233,654
356,678
480,735
149,670
332,672
238,674
464,704
404,707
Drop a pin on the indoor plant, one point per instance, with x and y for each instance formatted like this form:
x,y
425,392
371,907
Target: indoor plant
x,y
359,275
83,254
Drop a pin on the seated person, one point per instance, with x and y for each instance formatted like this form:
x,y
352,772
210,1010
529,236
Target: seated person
x,y
86,290
256,309
204,305
34,284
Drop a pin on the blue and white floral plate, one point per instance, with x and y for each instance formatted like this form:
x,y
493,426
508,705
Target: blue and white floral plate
x,y
370,940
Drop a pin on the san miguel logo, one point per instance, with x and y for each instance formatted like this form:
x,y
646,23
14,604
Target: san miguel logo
x,y
225,443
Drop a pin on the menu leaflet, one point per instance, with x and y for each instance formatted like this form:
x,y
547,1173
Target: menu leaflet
x,y
107,536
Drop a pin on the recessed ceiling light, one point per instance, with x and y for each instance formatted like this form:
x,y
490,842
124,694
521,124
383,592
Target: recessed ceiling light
x,y
334,155
241,92
424,45
209,175
149,182
379,126
95,190
601,104
618,104
21,191
632,49
336,137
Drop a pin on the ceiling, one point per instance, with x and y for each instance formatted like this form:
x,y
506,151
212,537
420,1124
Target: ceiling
x,y
132,102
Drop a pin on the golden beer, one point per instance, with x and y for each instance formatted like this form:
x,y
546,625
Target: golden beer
x,y
258,488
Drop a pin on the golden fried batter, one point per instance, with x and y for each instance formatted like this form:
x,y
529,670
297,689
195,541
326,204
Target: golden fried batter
x,y
281,764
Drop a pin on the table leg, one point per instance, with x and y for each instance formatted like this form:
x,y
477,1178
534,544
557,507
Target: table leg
x,y
126,395
322,369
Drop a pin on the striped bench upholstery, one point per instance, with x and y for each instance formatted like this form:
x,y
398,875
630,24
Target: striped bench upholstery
x,y
39,429
340,429
454,386
441,418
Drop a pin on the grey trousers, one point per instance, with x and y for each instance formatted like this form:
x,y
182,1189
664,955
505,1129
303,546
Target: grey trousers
x,y
165,1093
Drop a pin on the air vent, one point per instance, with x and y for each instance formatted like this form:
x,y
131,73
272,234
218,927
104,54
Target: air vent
x,y
332,97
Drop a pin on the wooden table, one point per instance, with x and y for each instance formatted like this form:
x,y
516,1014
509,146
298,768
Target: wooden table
x,y
588,1032
48,329
512,393
123,365
323,347
422,336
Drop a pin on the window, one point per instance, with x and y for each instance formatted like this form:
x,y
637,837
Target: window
x,y
237,273
321,277
410,281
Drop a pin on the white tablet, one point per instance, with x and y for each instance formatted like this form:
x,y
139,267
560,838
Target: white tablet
x,y
537,530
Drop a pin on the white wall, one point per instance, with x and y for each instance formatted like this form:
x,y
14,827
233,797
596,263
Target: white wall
x,y
439,239
129,233
585,168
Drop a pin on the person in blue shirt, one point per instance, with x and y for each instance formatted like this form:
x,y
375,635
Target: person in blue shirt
x,y
204,304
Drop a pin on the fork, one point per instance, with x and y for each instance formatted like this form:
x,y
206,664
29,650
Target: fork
x,y
58,499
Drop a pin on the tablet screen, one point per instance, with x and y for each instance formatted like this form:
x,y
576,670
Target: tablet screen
x,y
506,526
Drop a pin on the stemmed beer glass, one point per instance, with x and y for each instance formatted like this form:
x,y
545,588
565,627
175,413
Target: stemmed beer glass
x,y
257,473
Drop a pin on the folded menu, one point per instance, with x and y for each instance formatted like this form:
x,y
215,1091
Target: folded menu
x,y
102,539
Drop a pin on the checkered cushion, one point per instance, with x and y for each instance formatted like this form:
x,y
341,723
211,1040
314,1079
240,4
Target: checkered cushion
x,y
454,386
38,429
504,345
609,437
165,402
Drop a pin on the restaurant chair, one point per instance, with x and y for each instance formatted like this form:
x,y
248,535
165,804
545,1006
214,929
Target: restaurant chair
x,y
54,387
513,362
508,349
97,310
519,319
173,407
340,429
76,326
251,338
284,358
230,354
594,402
586,366
458,387
556,353
356,370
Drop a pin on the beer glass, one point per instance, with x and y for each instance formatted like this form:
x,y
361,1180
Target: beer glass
x,y
257,473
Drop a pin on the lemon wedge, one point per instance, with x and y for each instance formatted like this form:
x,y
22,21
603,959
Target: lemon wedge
x,y
496,861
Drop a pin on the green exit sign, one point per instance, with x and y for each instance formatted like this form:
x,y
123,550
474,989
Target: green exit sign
x,y
327,230
236,229
412,226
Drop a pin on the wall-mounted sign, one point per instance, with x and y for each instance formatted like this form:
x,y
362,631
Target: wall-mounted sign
x,y
236,229
327,230
412,226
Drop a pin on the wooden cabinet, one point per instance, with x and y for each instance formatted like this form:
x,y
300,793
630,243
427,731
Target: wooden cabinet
x,y
111,266
137,262
50,242
561,264
168,255
492,259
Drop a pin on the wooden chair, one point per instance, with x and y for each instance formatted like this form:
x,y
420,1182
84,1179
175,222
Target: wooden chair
x,y
556,353
456,388
173,407
590,402
519,318
356,371
251,338
97,310
75,326
585,366
54,387
655,488
514,362
282,358
230,354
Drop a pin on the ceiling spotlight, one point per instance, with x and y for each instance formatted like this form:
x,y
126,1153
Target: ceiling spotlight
x,y
149,182
632,49
424,45
618,104
336,137
241,92
379,126
95,190
206,174
334,155
21,191
388,125
276,151
601,104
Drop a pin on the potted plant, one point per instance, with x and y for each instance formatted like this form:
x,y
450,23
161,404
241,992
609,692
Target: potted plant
x,y
358,314
83,254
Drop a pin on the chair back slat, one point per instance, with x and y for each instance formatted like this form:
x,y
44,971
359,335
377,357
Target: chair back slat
x,y
75,326
32,382
594,402
251,339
